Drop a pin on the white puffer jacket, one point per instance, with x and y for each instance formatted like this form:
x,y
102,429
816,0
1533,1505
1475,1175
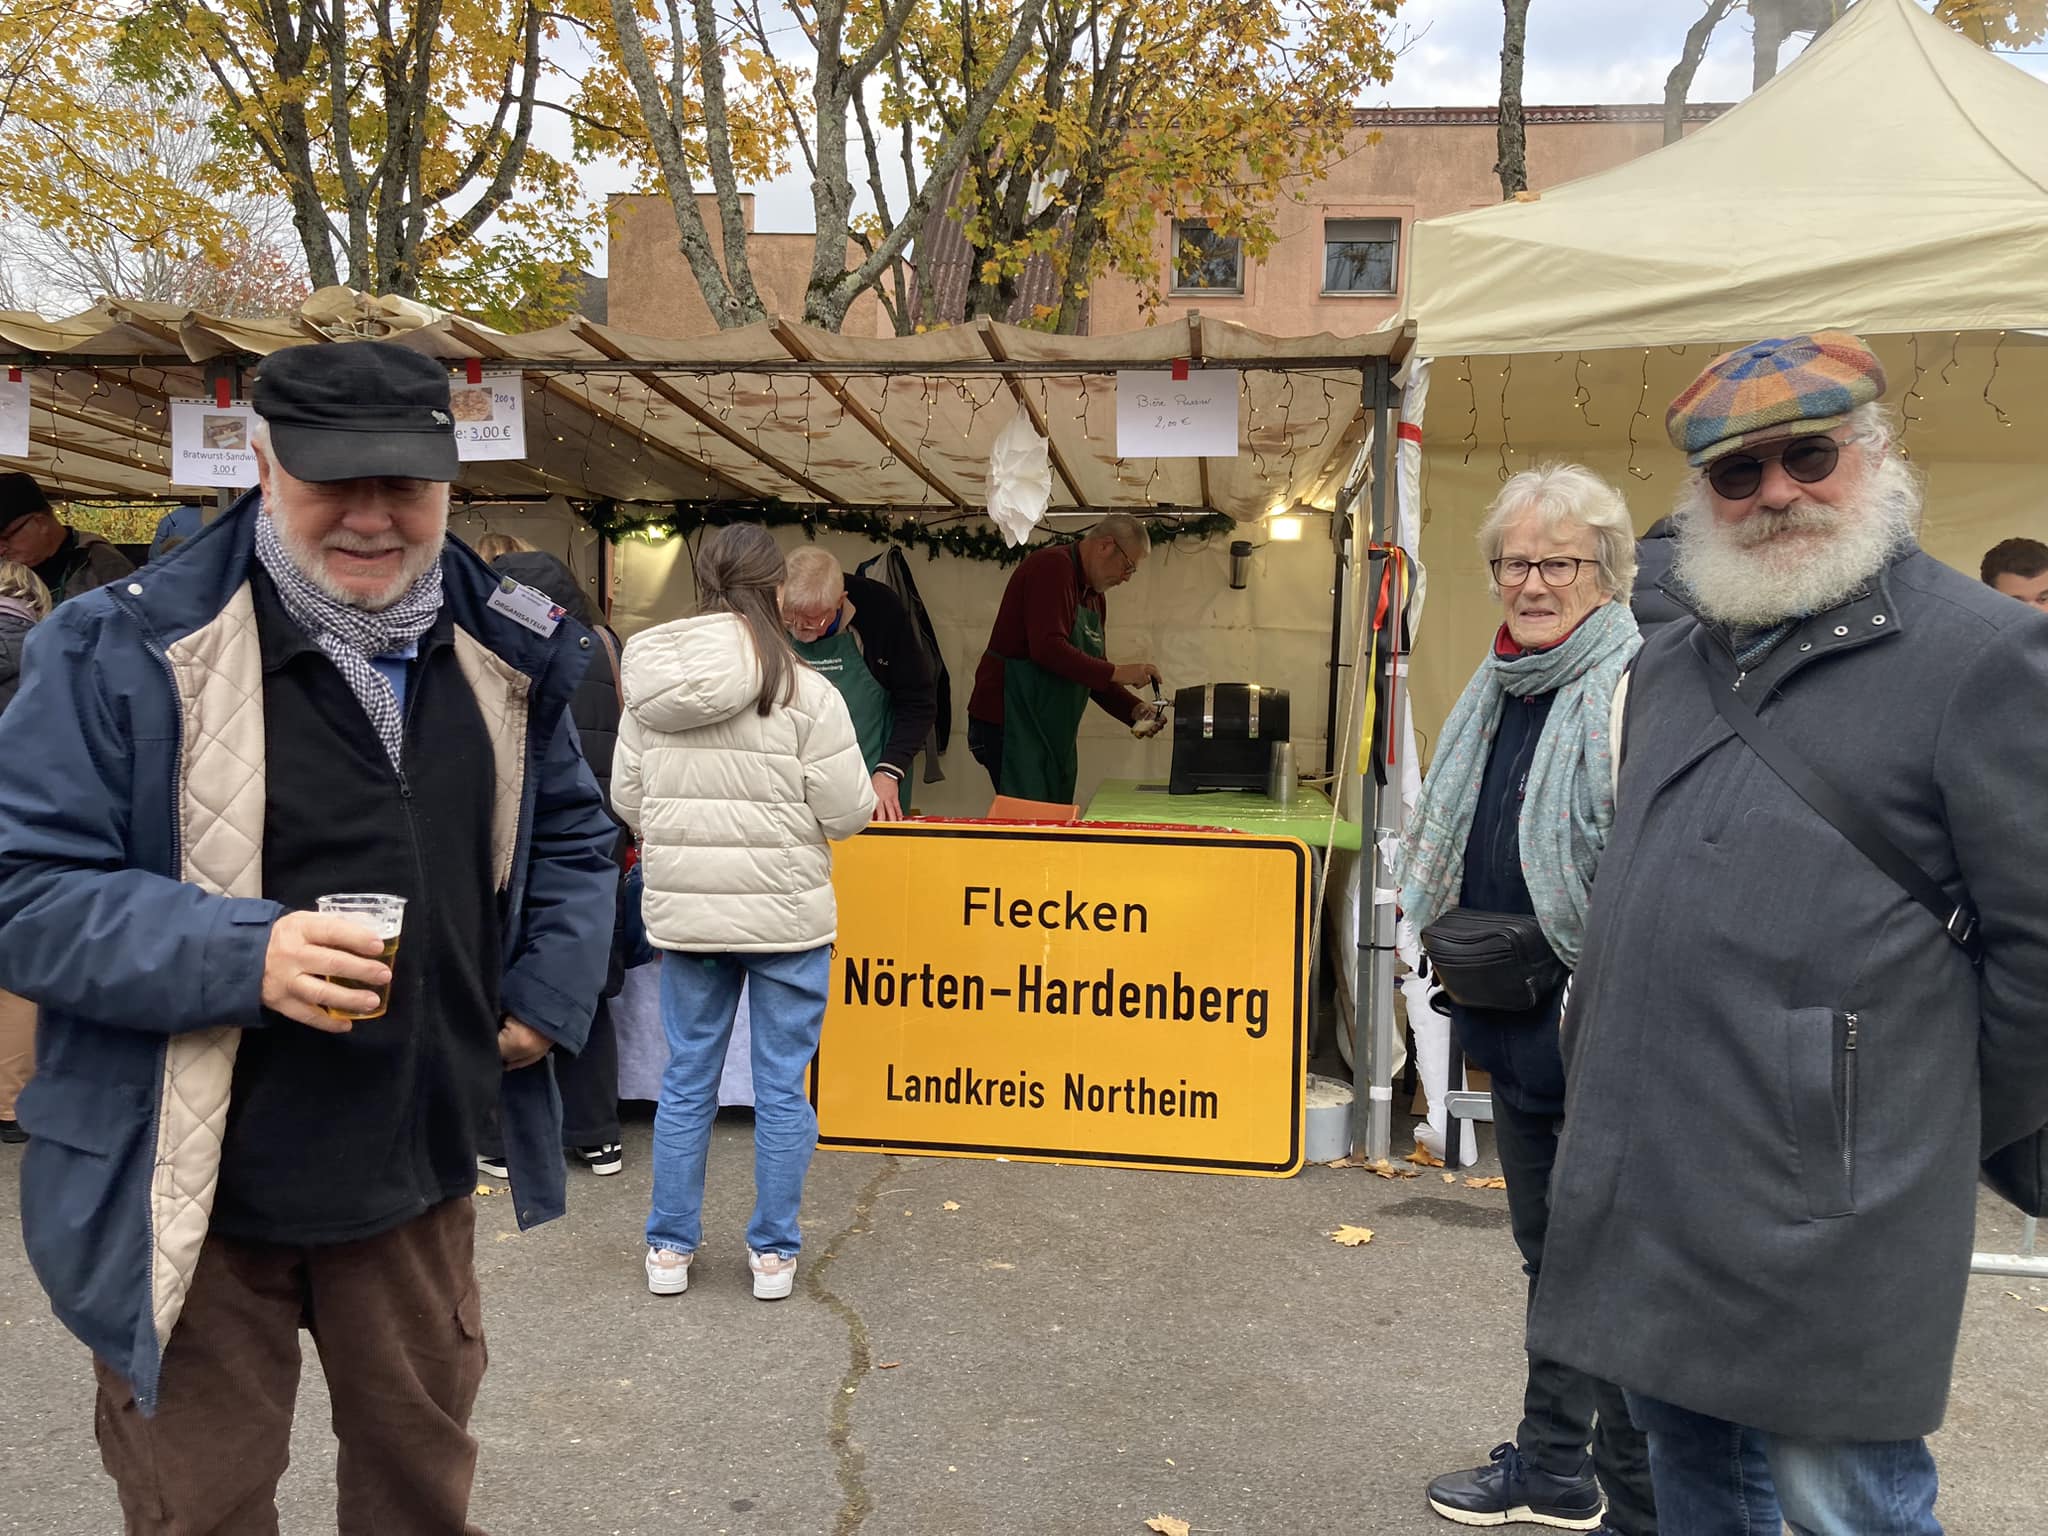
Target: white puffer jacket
x,y
733,808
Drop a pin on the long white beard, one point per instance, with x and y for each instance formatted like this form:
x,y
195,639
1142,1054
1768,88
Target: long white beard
x,y
1741,574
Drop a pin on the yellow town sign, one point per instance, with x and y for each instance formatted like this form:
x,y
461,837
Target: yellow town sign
x,y
1120,997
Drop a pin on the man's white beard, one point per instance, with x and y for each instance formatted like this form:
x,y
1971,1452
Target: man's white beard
x,y
309,558
1740,573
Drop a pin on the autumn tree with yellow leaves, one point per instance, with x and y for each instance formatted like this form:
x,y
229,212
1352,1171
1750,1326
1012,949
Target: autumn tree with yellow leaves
x,y
1125,114
397,132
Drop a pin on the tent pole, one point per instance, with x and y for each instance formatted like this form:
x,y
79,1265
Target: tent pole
x,y
1340,539
1372,1112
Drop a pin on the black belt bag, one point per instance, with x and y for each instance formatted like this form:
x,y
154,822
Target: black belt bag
x,y
1492,960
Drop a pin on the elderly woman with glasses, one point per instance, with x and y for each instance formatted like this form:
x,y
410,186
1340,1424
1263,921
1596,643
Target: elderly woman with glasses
x,y
1495,875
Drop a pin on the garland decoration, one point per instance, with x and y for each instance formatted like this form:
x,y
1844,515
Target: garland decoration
x,y
963,534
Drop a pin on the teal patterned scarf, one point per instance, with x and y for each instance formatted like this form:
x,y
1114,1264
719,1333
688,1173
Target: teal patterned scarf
x,y
1568,805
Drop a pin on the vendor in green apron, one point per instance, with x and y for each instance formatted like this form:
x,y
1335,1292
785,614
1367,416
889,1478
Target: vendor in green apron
x,y
858,634
1045,661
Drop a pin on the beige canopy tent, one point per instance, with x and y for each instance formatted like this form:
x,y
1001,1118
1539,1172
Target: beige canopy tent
x,y
1892,181
773,412
780,417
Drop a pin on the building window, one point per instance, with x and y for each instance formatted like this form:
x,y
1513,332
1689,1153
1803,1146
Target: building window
x,y
1204,261
1359,255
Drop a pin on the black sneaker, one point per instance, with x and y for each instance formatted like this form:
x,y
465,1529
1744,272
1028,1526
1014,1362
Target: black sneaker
x,y
12,1133
608,1158
1508,1491
493,1167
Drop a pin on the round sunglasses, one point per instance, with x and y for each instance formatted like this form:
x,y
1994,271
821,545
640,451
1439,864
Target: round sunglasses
x,y
1736,476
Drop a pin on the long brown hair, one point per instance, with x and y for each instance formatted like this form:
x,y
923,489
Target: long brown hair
x,y
738,570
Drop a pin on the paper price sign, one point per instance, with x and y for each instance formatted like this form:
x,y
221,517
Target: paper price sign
x,y
490,417
1161,417
210,443
13,419
1123,998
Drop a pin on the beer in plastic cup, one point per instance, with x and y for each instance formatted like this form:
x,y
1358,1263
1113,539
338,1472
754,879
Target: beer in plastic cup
x,y
384,916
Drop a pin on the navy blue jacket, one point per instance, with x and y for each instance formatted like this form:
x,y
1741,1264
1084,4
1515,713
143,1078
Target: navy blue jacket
x,y
100,925
1520,1050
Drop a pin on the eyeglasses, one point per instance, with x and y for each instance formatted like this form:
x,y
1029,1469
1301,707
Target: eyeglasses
x,y
1557,571
1808,460
1130,565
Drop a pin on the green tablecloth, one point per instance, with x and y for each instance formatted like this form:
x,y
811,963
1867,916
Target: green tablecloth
x,y
1308,818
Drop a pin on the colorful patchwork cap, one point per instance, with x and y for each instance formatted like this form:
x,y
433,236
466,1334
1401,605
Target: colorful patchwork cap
x,y
1772,389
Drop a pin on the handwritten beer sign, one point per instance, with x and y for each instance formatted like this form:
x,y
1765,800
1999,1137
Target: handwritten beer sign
x,y
1161,417
1122,998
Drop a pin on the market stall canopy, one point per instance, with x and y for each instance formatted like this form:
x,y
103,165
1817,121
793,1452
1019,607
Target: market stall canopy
x,y
773,412
1893,179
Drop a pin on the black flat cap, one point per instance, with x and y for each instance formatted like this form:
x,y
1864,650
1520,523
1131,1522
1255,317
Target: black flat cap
x,y
357,410
20,497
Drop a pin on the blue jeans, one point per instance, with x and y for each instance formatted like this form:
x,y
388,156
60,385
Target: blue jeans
x,y
700,993
1714,1478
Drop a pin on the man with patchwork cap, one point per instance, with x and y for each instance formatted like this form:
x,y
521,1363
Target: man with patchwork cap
x,y
1783,1068
232,1141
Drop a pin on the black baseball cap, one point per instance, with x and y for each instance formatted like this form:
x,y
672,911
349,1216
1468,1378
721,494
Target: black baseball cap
x,y
20,497
356,410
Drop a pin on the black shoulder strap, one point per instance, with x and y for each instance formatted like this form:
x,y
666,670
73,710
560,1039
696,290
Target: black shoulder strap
x,y
1958,920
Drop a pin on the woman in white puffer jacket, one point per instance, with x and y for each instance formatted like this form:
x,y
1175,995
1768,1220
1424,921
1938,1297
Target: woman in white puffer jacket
x,y
736,763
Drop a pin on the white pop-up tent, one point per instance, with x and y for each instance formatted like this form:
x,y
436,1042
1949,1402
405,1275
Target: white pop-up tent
x,y
1893,181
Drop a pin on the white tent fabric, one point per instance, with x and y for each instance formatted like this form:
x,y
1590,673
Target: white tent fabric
x,y
1894,178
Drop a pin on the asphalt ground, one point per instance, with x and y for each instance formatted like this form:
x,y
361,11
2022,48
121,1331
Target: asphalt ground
x,y
990,1348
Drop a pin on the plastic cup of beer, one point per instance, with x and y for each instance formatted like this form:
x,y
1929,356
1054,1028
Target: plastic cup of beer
x,y
382,915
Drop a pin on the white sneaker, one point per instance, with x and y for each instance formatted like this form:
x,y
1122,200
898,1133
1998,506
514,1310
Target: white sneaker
x,y
774,1276
668,1274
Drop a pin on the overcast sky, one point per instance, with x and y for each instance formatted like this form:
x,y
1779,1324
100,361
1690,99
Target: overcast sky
x,y
1579,52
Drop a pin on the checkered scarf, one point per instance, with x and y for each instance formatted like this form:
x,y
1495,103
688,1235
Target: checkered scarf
x,y
351,636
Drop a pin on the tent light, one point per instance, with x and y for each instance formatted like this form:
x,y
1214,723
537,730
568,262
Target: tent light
x,y
655,533
1284,528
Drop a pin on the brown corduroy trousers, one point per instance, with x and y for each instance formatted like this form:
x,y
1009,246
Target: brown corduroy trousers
x,y
395,1318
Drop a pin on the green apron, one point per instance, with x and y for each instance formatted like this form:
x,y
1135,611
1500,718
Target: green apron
x,y
1041,718
838,657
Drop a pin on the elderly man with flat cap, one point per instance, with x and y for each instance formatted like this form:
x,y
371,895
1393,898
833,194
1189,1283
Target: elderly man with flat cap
x,y
1814,988
251,1117
31,534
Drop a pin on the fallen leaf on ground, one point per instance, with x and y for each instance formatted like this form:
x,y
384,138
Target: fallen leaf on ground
x,y
1450,1178
1387,1170
1422,1157
952,1205
1493,1183
485,1191
506,1237
1352,1237
999,1264
2015,1295
2037,1309
1166,1525
887,1365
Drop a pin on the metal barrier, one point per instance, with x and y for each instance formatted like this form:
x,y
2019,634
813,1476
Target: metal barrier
x,y
2024,1263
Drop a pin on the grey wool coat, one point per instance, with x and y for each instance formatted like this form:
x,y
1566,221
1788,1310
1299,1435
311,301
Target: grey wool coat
x,y
1765,1196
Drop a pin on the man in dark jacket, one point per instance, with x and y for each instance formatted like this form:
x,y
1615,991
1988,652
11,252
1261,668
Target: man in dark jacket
x,y
2018,568
1782,1069
1651,604
589,1080
69,562
860,637
250,1117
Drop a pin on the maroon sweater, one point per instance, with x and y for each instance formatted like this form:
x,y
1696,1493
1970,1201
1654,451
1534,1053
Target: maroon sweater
x,y
1034,623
